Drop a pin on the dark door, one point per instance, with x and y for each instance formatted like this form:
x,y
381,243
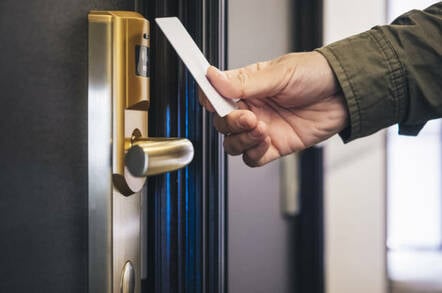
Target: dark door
x,y
186,214
44,160
43,150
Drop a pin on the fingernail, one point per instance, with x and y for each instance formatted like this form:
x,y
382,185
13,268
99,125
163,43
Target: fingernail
x,y
219,73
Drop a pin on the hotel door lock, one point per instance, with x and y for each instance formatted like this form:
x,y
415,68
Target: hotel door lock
x,y
120,153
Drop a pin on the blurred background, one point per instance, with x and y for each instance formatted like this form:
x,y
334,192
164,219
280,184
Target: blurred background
x,y
382,200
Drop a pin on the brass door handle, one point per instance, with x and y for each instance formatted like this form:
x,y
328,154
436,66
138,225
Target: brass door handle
x,y
152,156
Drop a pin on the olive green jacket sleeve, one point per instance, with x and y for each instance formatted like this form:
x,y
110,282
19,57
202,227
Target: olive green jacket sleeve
x,y
391,74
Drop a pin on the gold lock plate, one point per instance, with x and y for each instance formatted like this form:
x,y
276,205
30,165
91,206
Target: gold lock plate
x,y
118,142
118,104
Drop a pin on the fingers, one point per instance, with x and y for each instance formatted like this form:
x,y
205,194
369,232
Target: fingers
x,y
254,81
239,143
248,136
204,101
236,122
243,132
258,155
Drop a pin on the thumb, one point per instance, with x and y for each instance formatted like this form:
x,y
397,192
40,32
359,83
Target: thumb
x,y
254,81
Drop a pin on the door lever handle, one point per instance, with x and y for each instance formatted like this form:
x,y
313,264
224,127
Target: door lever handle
x,y
152,156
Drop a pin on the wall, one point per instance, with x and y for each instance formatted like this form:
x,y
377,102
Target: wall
x,y
355,203
258,236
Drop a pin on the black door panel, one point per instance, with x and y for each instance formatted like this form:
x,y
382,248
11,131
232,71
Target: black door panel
x,y
43,148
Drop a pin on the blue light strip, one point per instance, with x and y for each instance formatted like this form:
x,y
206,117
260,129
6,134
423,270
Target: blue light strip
x,y
168,196
189,232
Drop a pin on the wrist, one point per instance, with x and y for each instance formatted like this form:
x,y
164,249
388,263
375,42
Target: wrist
x,y
326,74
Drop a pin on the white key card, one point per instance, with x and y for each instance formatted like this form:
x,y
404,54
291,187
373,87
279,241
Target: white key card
x,y
194,60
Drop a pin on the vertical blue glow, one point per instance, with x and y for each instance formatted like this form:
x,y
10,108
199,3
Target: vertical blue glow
x,y
193,221
187,111
188,182
168,195
168,121
187,195
180,214
168,215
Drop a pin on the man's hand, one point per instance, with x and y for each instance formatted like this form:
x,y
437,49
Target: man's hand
x,y
287,104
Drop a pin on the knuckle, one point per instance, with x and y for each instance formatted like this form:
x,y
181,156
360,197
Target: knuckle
x,y
243,79
216,123
226,146
246,140
230,147
231,123
249,161
219,123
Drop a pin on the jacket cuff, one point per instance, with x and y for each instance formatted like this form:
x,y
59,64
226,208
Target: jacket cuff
x,y
372,79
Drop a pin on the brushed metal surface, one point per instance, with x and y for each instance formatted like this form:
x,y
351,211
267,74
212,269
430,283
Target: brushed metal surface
x,y
114,194
127,278
126,238
99,154
151,156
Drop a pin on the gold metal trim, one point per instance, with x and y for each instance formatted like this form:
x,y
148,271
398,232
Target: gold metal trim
x,y
114,194
117,113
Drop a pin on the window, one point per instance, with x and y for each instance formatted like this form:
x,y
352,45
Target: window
x,y
414,189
